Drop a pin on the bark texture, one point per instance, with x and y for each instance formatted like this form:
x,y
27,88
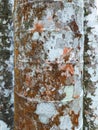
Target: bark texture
x,y
48,64
91,65
6,65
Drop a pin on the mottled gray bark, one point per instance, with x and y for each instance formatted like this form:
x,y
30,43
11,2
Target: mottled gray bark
x,y
6,65
69,34
48,64
91,65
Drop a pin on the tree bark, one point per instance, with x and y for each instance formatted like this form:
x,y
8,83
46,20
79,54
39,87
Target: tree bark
x,y
91,65
6,65
48,65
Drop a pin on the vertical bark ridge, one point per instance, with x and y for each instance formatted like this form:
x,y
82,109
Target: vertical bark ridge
x,y
6,64
90,65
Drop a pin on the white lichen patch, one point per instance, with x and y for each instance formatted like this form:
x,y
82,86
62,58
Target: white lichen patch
x,y
35,36
65,123
77,104
54,127
3,125
68,90
45,112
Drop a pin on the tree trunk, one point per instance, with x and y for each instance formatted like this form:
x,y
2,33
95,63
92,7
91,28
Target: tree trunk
x,y
48,65
91,65
6,65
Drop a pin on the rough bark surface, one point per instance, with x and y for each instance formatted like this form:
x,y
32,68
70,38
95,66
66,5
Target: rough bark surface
x,y
6,66
48,64
91,65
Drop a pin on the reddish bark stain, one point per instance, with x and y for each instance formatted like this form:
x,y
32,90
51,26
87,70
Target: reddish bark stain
x,y
38,28
74,118
66,50
69,68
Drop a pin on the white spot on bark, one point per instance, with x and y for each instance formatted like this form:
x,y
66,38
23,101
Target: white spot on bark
x,y
45,112
65,123
3,126
35,36
68,90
